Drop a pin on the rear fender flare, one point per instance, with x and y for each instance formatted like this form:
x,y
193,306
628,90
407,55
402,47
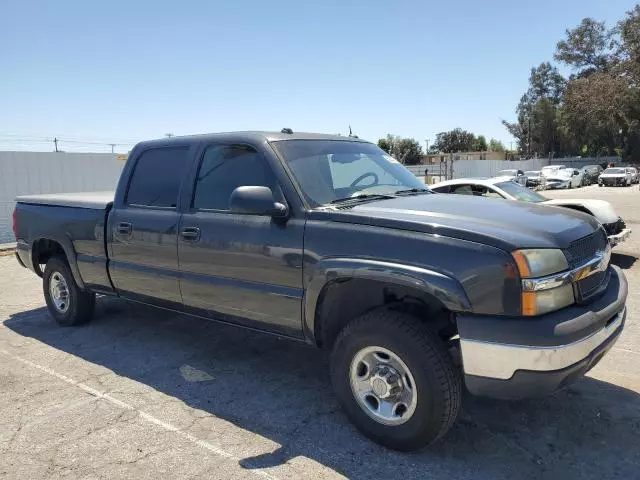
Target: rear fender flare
x,y
69,251
442,287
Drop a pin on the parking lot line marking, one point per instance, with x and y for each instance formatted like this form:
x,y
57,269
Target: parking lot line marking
x,y
621,349
149,418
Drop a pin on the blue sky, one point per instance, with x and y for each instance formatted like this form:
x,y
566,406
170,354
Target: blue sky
x,y
121,71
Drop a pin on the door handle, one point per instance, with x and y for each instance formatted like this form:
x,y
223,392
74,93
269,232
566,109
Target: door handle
x,y
125,228
190,234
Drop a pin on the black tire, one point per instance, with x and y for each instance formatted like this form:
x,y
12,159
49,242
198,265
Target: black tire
x,y
438,382
81,304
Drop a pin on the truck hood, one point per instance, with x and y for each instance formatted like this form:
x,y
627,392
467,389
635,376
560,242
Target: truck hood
x,y
494,222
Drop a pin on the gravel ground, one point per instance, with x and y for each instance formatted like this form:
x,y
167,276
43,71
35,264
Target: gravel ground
x,y
142,393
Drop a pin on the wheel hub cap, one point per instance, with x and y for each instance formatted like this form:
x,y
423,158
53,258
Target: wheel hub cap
x,y
59,292
383,385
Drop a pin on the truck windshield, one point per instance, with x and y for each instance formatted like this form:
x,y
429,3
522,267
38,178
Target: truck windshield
x,y
330,170
615,171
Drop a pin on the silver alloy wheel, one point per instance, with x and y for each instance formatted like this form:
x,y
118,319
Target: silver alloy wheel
x,y
59,292
383,385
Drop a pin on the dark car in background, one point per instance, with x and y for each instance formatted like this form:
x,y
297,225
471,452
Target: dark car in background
x,y
590,174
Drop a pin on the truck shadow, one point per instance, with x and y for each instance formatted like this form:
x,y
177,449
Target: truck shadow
x,y
623,260
280,390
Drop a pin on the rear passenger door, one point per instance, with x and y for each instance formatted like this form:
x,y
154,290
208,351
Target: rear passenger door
x,y
144,228
243,268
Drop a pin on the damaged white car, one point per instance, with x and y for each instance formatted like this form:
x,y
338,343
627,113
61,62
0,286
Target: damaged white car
x,y
615,227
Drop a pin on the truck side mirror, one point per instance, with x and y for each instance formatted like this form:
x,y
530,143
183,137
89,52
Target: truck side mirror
x,y
256,200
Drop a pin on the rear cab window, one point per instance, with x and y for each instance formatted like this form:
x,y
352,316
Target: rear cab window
x,y
156,178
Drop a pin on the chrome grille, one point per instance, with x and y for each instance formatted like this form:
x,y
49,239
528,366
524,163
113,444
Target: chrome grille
x,y
589,285
585,248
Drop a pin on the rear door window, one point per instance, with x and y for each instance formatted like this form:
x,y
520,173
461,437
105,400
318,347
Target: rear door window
x,y
156,177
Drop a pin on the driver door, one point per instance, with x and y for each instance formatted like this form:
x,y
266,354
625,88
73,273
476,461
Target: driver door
x,y
246,269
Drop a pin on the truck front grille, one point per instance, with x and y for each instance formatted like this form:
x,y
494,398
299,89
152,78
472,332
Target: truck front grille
x,y
585,248
590,285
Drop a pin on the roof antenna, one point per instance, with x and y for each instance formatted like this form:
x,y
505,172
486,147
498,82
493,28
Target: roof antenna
x,y
351,133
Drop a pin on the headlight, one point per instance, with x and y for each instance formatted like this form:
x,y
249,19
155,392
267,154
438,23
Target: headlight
x,y
545,301
539,262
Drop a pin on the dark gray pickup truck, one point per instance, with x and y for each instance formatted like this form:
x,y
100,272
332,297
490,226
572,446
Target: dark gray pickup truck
x,y
330,241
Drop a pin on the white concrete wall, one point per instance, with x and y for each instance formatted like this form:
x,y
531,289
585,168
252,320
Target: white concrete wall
x,y
477,168
23,173
489,168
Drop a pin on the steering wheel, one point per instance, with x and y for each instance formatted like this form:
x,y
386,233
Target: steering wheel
x,y
365,175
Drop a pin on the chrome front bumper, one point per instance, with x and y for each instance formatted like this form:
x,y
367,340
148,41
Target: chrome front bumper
x,y
501,361
619,237
520,357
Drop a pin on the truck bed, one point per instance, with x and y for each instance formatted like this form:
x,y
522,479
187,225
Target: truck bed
x,y
95,200
77,222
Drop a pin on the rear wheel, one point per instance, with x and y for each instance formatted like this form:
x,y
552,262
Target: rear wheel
x,y
68,304
395,380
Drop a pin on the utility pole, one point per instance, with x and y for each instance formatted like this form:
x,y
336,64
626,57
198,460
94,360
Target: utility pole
x,y
427,142
112,146
529,141
55,142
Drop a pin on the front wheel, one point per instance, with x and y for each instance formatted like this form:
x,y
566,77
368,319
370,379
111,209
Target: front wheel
x,y
395,380
68,304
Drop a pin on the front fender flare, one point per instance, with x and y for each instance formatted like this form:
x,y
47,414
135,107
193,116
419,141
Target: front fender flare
x,y
442,287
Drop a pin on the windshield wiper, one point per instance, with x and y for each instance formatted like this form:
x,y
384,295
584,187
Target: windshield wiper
x,y
364,196
414,191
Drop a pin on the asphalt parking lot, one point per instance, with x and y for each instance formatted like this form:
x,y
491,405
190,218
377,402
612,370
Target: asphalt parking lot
x,y
142,393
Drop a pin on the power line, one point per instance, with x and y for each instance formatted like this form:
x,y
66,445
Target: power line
x,y
60,143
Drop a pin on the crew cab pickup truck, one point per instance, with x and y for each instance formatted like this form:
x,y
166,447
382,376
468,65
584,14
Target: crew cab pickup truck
x,y
330,241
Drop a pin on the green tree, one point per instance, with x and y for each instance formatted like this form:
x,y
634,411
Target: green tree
x,y
479,144
588,48
385,143
456,140
595,109
629,45
496,146
405,150
536,130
